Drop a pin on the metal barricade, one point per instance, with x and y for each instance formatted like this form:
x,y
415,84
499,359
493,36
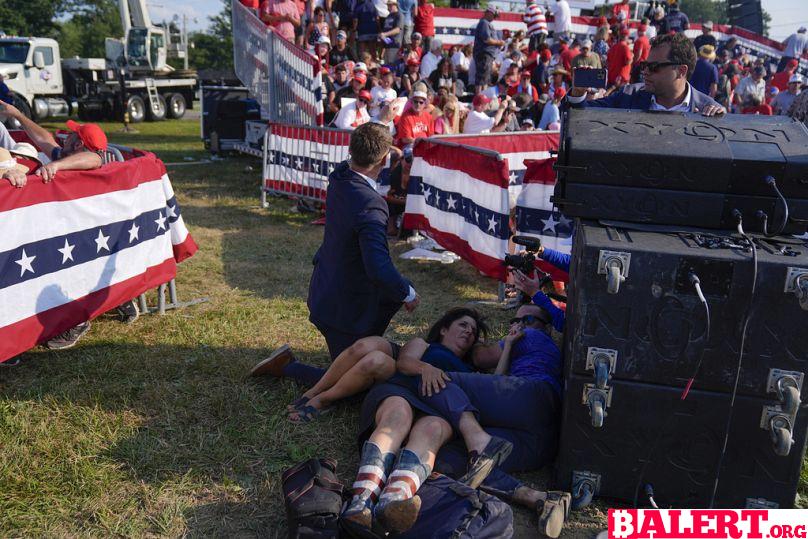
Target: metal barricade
x,y
298,160
295,84
251,55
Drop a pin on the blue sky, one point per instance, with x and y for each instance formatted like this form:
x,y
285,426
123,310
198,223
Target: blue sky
x,y
787,15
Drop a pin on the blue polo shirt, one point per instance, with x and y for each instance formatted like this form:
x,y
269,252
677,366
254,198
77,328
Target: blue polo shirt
x,y
536,357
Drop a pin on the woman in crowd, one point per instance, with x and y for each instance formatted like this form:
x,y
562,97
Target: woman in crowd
x,y
601,45
451,121
445,77
410,76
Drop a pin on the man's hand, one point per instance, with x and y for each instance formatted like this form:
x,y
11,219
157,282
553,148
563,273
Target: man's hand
x,y
713,110
48,172
432,380
513,336
10,110
15,177
412,305
528,285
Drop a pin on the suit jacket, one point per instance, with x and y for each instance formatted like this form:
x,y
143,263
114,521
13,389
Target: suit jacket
x,y
354,277
635,98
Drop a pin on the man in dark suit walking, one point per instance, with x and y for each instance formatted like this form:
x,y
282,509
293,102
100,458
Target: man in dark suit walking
x,y
355,289
666,73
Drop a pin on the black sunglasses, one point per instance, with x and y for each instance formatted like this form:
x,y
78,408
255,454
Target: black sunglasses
x,y
527,319
654,67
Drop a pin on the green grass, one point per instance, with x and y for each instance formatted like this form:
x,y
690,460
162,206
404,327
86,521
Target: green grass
x,y
151,429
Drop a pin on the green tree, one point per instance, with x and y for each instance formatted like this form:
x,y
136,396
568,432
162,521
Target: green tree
x,y
31,17
91,23
213,49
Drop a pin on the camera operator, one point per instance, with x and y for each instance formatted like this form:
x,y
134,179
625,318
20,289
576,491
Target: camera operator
x,y
666,72
531,286
529,281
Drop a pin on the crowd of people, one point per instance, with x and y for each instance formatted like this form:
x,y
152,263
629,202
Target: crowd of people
x,y
378,55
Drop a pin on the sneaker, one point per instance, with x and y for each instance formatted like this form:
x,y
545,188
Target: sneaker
x,y
128,312
69,338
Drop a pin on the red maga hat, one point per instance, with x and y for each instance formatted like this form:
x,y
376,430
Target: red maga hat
x,y
92,136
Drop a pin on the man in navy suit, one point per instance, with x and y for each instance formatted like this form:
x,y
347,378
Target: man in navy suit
x,y
665,72
355,289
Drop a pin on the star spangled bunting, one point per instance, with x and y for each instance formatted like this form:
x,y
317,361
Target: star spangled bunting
x,y
53,254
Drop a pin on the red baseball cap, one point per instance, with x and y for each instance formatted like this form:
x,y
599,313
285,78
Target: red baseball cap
x,y
545,54
384,70
413,62
480,99
642,28
92,136
793,63
624,32
364,94
360,77
560,93
525,74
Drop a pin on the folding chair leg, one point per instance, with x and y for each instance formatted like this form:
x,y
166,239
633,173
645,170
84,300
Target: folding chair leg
x,y
161,299
144,307
172,292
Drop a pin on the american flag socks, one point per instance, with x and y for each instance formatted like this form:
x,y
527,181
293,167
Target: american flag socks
x,y
373,469
398,504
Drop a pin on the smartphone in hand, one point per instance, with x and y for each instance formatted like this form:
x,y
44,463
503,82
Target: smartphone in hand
x,y
588,78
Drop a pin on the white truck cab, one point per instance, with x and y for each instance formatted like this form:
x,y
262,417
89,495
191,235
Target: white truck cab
x,y
32,68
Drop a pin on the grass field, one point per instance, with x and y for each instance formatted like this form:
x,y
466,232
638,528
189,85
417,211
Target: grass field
x,y
151,429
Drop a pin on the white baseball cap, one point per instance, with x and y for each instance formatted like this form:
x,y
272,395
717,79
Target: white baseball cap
x,y
795,78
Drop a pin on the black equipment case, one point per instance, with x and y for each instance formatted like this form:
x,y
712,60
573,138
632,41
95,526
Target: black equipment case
x,y
682,169
635,331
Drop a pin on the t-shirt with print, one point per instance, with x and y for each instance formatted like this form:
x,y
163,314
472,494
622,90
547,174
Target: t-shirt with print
x,y
413,125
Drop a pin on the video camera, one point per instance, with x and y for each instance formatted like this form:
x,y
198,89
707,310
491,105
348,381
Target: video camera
x,y
525,262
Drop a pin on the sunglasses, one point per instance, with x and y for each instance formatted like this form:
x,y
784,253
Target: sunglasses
x,y
418,101
654,67
527,319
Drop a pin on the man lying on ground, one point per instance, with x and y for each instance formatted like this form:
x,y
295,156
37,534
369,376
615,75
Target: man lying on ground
x,y
81,151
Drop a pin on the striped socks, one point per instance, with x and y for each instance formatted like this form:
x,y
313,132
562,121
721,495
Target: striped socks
x,y
373,469
406,478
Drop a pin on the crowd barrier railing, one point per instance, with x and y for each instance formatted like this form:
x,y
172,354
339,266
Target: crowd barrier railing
x,y
298,160
284,78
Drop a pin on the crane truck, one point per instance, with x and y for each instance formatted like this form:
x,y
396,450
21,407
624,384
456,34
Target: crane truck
x,y
134,77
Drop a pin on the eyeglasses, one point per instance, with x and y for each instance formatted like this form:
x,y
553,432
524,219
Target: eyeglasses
x,y
654,67
419,102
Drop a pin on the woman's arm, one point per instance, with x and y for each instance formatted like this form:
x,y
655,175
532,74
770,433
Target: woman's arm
x,y
504,365
409,362
486,356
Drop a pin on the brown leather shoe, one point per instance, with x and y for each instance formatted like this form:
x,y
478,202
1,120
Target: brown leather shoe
x,y
275,363
359,521
398,516
553,513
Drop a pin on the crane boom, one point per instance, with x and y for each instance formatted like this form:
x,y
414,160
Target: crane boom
x,y
134,13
